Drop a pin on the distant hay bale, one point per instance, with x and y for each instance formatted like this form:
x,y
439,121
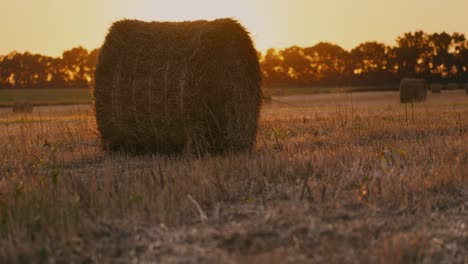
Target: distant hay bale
x,y
22,106
172,87
435,89
413,90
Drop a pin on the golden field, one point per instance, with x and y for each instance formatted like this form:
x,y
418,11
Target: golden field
x,y
335,178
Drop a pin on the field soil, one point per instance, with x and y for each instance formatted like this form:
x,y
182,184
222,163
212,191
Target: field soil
x,y
335,178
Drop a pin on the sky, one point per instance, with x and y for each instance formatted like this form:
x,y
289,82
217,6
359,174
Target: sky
x,y
51,26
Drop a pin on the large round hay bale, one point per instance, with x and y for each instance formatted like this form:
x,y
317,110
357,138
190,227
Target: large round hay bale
x,y
413,90
22,106
171,87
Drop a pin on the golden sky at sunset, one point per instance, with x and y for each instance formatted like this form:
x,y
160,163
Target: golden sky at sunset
x,y
51,26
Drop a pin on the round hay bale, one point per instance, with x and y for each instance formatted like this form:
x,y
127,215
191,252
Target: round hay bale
x,y
22,106
173,87
413,90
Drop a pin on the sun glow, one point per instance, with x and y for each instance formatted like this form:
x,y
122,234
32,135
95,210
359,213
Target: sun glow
x,y
52,26
249,13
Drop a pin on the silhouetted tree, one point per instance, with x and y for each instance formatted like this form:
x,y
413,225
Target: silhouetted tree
x,y
90,65
272,69
297,66
24,70
458,50
411,55
438,57
370,64
463,57
327,62
75,67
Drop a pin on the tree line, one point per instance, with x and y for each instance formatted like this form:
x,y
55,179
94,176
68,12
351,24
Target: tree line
x,y
74,69
437,57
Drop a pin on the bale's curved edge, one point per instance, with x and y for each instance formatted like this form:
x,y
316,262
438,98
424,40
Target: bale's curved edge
x,y
170,87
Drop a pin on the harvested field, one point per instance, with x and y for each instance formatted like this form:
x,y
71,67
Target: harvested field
x,y
334,178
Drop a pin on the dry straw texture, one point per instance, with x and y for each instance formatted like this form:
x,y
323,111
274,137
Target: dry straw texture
x,y
413,90
22,106
165,87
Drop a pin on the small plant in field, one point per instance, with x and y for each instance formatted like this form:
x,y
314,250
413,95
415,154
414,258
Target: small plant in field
x,y
54,175
50,167
18,190
278,134
3,215
388,118
388,157
363,193
136,199
42,254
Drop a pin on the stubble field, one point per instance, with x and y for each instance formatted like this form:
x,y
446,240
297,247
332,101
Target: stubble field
x,y
336,178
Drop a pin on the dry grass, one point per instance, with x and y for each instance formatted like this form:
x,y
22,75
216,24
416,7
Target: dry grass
x,y
345,183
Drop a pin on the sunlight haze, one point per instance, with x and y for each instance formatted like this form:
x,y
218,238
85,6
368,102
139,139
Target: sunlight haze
x,y
52,26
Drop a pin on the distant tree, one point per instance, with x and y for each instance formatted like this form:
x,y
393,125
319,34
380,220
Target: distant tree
x,y
90,65
463,64
24,70
458,50
438,57
370,63
75,67
296,65
411,55
56,74
10,69
328,63
4,73
272,69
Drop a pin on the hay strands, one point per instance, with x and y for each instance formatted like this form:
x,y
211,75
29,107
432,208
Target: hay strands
x,y
176,87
